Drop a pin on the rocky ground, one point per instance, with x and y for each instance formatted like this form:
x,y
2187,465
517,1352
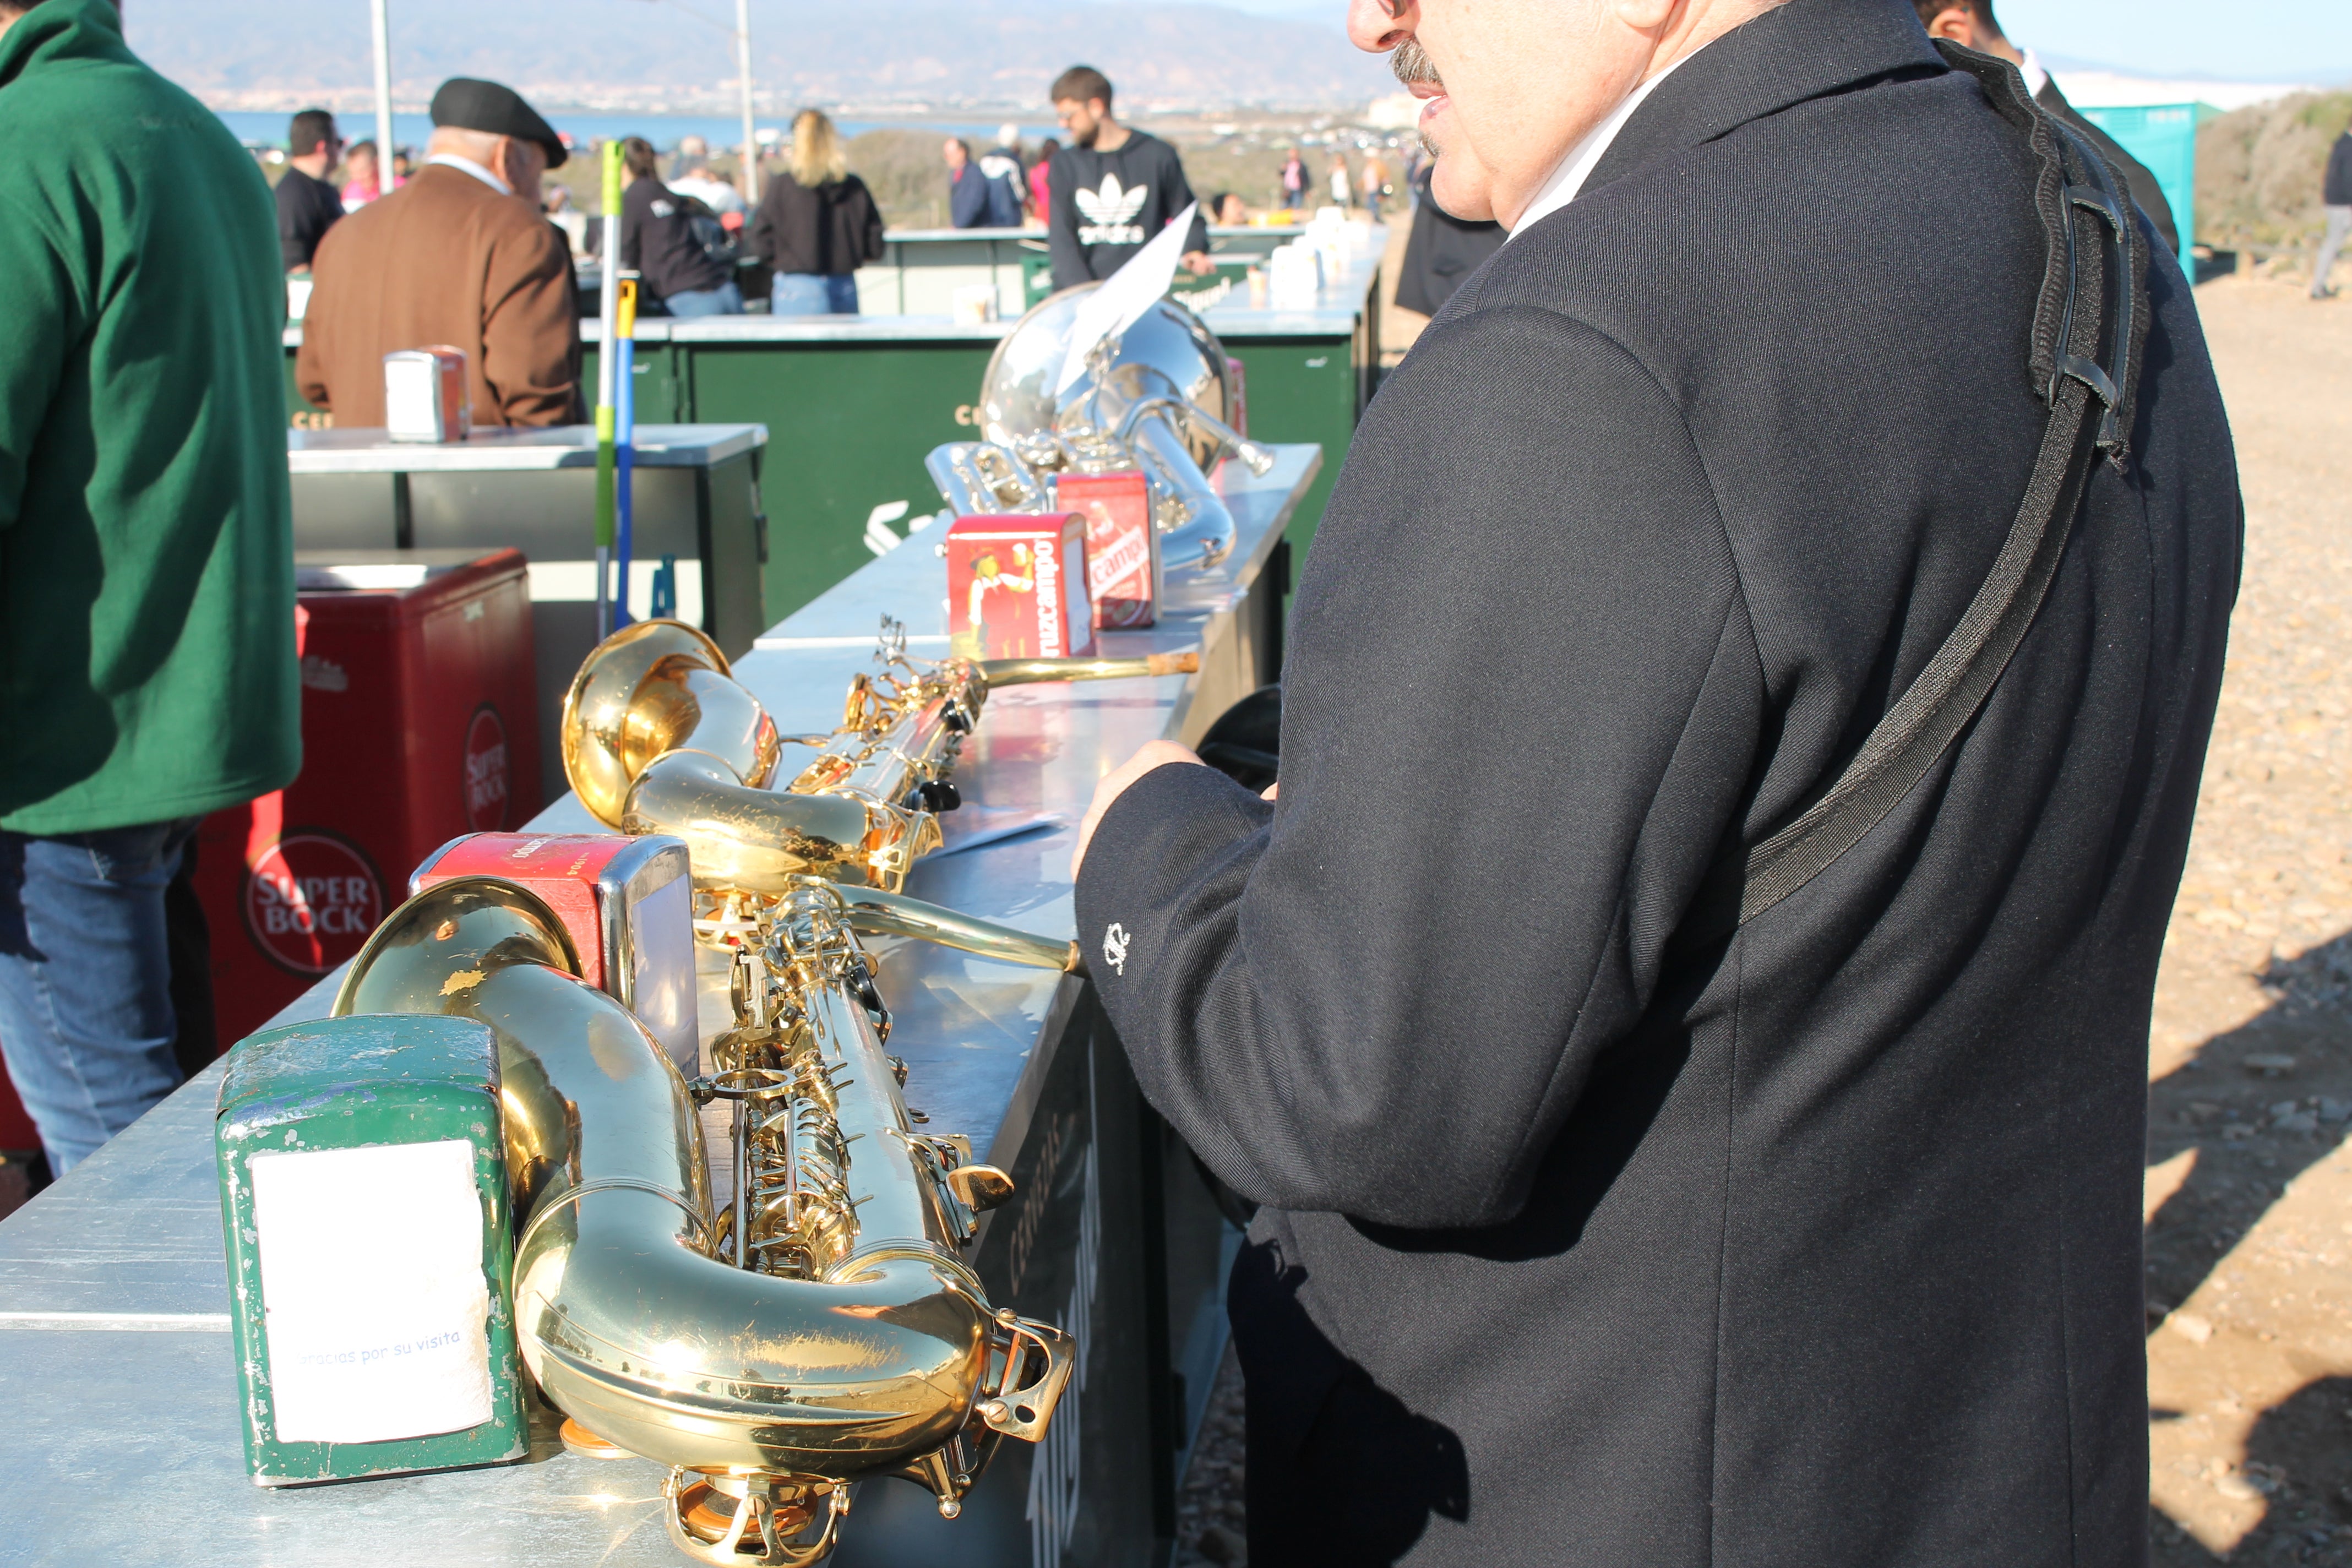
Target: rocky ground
x,y
2250,1067
1210,1521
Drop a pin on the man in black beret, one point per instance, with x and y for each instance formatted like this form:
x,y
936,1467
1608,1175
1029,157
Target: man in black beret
x,y
460,255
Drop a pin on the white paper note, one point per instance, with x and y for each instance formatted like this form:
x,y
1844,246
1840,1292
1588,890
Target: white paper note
x,y
1125,295
377,1308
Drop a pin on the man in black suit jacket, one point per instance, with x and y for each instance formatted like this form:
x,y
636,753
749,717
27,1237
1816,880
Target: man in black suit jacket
x,y
1971,23
1593,1235
1440,251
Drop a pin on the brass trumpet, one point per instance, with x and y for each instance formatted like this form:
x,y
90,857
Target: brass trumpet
x,y
804,1338
659,738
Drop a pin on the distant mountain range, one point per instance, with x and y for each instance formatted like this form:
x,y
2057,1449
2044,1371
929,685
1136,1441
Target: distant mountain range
x,y
678,55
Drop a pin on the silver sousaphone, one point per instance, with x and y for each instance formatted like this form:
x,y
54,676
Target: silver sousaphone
x,y
1154,397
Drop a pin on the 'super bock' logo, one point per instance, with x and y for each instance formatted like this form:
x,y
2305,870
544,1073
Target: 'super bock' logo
x,y
485,771
311,900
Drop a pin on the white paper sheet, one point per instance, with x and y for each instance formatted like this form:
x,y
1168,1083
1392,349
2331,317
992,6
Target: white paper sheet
x,y
1125,295
377,1308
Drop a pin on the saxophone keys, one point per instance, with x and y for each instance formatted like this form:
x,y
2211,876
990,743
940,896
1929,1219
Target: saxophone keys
x,y
1022,1410
979,1187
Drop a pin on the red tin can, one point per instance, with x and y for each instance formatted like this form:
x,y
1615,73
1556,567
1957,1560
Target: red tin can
x,y
627,903
419,722
1017,586
1122,547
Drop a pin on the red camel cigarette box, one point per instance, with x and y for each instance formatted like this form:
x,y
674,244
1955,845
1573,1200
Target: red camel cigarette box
x,y
627,903
1017,586
1122,547
419,722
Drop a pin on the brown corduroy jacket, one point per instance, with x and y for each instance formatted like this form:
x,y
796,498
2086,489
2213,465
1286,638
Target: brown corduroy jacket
x,y
445,259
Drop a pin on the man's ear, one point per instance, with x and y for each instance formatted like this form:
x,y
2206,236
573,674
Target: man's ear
x,y
1957,23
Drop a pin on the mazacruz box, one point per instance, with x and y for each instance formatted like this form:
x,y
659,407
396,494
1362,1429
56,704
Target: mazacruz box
x,y
1122,547
1017,586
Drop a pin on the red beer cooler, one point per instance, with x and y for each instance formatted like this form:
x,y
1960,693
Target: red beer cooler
x,y
419,723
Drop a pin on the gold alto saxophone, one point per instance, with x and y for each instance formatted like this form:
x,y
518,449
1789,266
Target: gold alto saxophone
x,y
659,738
825,1326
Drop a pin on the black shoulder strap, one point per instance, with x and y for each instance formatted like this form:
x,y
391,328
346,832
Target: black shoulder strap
x,y
2089,324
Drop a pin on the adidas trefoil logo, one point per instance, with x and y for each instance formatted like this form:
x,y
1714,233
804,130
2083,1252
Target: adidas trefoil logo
x,y
1110,212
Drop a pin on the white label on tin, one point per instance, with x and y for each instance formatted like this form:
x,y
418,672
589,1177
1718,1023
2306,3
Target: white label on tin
x,y
377,1307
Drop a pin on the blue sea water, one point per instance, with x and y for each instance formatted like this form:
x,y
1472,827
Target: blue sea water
x,y
584,126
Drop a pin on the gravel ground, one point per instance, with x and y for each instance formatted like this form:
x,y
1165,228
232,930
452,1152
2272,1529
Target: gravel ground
x,y
1210,1523
2249,1068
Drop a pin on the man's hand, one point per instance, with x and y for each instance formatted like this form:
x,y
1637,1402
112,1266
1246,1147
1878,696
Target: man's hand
x,y
1155,754
1197,264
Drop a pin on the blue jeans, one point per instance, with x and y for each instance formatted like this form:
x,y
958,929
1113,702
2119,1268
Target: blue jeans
x,y
86,1021
727,299
2339,224
813,294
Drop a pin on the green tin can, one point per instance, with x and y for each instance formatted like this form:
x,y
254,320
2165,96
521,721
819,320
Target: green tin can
x,y
370,1258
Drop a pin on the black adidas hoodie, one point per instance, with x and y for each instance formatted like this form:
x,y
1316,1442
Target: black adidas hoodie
x,y
1107,205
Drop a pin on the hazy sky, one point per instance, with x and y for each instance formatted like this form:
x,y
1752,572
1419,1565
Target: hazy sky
x,y
2301,40
2287,40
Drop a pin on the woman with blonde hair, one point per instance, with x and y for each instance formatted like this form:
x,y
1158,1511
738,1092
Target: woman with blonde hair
x,y
817,224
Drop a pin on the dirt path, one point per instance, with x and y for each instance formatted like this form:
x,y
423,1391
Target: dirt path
x,y
2250,1182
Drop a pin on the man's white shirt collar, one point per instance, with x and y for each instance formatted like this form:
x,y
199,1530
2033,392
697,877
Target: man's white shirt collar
x,y
453,161
2036,77
1568,179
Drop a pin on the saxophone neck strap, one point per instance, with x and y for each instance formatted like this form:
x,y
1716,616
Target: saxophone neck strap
x,y
2090,321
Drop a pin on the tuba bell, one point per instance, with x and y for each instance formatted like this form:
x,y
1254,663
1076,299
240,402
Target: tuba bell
x,y
658,737
801,1339
1156,398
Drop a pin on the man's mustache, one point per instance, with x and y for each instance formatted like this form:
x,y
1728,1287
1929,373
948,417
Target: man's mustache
x,y
1411,63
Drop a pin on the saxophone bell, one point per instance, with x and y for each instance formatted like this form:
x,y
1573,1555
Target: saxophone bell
x,y
658,737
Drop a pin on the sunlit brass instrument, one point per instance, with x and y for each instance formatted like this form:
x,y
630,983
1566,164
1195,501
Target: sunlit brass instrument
x,y
1155,398
825,1327
659,738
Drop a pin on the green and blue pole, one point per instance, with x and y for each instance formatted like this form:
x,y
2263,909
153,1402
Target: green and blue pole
x,y
607,400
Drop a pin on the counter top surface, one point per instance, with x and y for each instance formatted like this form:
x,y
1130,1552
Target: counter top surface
x,y
1337,309
113,1281
499,449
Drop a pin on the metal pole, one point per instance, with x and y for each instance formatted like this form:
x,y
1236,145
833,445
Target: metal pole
x,y
382,99
744,76
608,401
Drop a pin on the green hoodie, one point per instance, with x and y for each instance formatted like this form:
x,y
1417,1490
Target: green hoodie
x,y
147,667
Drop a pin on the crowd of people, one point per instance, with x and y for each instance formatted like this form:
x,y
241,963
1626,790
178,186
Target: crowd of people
x,y
686,231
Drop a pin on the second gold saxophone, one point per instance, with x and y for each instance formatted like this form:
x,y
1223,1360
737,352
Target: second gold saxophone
x,y
658,737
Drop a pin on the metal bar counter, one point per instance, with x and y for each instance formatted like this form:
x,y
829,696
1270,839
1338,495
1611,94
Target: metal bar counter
x,y
119,1424
853,404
